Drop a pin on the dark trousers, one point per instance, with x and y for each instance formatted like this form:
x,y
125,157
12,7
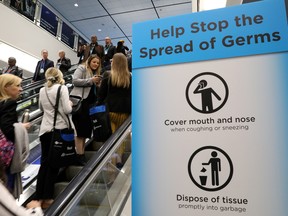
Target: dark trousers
x,y
47,175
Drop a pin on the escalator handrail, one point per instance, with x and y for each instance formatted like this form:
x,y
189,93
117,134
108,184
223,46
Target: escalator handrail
x,y
41,82
79,180
72,68
32,86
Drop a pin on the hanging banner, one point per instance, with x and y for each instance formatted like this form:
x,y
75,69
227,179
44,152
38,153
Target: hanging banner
x,y
25,7
81,42
48,20
67,35
209,113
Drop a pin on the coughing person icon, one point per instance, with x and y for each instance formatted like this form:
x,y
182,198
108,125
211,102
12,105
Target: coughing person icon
x,y
215,167
206,96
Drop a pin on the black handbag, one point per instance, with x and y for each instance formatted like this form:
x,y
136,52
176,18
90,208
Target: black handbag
x,y
62,152
99,115
76,101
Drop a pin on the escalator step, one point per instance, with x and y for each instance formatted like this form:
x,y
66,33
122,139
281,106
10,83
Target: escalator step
x,y
34,156
72,171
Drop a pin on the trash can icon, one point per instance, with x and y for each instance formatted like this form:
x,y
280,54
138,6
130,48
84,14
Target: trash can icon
x,y
203,180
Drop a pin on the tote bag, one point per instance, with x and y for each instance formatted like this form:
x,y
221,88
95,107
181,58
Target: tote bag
x,y
62,152
99,116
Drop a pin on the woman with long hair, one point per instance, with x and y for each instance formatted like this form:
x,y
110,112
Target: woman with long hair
x,y
10,89
86,80
115,90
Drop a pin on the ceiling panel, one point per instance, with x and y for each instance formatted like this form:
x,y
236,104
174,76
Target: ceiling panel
x,y
114,18
158,3
86,9
102,27
174,10
126,20
121,6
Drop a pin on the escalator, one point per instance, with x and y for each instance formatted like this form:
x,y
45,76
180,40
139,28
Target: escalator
x,y
98,185
30,93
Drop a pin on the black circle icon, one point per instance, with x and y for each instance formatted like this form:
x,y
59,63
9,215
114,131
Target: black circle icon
x,y
207,92
210,168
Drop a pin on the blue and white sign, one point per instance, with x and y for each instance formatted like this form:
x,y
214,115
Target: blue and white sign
x,y
210,113
48,20
67,35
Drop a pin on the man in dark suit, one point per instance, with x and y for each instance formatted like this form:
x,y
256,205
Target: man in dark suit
x,y
42,66
109,50
94,48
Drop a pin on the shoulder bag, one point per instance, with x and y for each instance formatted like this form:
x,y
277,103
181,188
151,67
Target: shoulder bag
x,y
76,101
62,151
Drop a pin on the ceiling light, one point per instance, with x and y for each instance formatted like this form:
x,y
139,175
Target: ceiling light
x,y
76,5
99,30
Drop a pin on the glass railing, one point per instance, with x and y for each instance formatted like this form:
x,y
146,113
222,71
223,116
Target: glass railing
x,y
103,186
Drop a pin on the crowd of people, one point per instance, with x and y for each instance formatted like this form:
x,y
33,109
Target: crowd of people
x,y
105,52
103,76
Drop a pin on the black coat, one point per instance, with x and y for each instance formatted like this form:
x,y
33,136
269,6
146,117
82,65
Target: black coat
x,y
64,64
118,98
8,116
40,76
110,51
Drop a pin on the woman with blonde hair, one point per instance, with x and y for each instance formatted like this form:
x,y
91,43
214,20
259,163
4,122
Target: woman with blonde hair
x,y
115,90
10,89
86,80
47,174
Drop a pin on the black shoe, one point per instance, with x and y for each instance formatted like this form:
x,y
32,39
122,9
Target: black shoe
x,y
81,160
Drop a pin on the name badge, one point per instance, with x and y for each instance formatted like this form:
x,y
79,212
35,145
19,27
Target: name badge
x,y
41,70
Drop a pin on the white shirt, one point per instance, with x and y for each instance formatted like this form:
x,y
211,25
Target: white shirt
x,y
64,108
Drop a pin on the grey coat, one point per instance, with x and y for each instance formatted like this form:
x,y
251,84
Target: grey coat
x,y
82,82
20,157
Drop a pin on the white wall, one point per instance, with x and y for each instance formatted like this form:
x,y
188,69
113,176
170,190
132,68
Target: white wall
x,y
21,33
